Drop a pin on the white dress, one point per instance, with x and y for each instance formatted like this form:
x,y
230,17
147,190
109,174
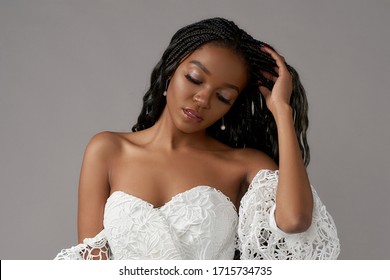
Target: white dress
x,y
202,223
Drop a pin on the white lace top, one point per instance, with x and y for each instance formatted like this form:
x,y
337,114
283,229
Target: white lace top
x,y
202,223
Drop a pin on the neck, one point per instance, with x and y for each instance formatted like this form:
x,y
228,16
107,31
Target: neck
x,y
165,135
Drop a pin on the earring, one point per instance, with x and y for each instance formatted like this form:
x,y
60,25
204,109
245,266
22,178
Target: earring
x,y
166,88
223,127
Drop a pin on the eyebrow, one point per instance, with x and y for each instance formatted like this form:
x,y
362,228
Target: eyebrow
x,y
201,66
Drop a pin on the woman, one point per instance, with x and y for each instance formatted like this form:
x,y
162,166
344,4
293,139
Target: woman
x,y
215,164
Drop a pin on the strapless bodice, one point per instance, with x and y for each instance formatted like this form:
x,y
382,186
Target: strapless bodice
x,y
199,223
202,223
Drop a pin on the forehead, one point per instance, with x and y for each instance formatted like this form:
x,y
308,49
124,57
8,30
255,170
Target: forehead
x,y
221,62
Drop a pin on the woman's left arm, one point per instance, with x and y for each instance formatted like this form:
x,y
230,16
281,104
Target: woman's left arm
x,y
294,199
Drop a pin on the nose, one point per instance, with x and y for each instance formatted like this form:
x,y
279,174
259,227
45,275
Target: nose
x,y
202,99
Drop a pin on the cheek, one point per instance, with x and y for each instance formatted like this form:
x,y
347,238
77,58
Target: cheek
x,y
180,88
218,110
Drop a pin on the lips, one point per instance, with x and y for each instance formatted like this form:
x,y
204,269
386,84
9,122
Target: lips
x,y
192,115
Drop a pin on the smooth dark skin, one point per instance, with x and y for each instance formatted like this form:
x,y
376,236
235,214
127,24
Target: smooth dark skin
x,y
176,154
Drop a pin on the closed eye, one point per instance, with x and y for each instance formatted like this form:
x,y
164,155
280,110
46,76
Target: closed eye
x,y
197,82
224,99
193,80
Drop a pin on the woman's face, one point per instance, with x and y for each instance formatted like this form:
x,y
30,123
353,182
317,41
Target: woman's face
x,y
204,87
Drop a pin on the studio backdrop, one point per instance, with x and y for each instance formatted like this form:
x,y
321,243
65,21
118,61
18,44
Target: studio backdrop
x,y
70,69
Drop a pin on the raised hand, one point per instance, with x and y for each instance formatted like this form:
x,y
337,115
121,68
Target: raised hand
x,y
282,89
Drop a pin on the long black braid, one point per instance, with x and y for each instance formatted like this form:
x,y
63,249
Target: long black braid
x,y
249,123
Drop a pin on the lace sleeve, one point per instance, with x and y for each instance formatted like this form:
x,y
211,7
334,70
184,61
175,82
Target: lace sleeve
x,y
258,236
95,248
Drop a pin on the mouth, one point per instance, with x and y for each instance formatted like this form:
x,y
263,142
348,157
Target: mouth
x,y
192,115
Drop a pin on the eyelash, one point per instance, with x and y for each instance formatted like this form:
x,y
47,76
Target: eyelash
x,y
191,79
197,82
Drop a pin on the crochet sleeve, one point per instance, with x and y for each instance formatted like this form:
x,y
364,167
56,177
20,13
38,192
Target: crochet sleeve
x,y
258,236
95,248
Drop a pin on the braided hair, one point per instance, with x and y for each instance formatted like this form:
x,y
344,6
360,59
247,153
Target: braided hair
x,y
249,123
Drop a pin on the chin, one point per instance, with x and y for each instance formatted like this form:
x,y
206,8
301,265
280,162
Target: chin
x,y
191,128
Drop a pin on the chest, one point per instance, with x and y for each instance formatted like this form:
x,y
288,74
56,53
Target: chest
x,y
156,178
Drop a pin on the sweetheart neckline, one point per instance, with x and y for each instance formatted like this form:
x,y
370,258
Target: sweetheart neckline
x,y
258,174
173,198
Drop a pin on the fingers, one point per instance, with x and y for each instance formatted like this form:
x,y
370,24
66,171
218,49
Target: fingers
x,y
264,91
278,58
268,75
281,68
280,61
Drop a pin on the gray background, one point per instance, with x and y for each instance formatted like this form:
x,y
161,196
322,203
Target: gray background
x,y
70,69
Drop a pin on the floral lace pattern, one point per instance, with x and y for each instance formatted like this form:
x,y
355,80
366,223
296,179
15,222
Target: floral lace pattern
x,y
91,249
258,236
197,224
202,223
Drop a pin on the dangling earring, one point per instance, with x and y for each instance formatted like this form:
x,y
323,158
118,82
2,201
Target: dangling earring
x,y
223,127
166,88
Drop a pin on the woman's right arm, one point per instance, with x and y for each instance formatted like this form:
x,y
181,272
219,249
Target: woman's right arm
x,y
94,188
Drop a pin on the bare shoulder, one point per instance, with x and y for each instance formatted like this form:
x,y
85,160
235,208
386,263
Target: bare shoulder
x,y
104,143
94,185
110,145
255,160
